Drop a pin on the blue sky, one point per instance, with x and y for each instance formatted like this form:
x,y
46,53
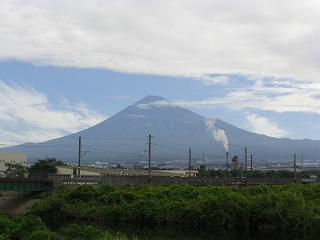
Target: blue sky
x,y
106,92
65,66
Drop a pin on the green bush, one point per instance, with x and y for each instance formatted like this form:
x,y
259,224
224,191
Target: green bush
x,y
4,236
44,235
291,208
30,227
76,232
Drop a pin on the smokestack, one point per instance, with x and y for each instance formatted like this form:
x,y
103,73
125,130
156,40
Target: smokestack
x,y
227,163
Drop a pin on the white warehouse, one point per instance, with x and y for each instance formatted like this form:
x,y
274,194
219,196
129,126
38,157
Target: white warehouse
x,y
13,158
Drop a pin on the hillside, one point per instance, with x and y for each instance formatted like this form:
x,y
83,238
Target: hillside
x,y
122,138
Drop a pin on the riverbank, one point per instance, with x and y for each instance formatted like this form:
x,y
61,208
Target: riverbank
x,y
175,213
292,210
17,203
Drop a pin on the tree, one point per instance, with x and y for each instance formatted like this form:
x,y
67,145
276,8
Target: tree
x,y
15,170
44,167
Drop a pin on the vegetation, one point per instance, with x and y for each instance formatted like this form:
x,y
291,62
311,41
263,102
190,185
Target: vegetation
x,y
291,209
31,227
15,170
44,167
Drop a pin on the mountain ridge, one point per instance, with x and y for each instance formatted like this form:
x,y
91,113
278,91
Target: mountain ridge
x,y
121,138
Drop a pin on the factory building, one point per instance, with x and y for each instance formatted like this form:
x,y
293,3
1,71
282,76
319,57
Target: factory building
x,y
13,158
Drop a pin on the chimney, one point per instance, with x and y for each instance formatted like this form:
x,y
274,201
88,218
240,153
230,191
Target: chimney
x,y
227,163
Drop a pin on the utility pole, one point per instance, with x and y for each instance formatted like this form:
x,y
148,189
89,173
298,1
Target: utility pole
x,y
190,161
203,159
295,166
245,162
149,155
172,170
79,155
251,166
227,163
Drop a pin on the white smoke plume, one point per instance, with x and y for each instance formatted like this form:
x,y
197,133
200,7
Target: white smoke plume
x,y
218,134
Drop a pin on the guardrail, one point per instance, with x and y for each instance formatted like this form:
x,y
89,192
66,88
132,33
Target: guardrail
x,y
25,185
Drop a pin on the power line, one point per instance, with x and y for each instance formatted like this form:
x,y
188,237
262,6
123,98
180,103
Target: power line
x,y
29,146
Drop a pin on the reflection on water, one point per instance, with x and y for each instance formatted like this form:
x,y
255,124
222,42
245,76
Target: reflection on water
x,y
188,233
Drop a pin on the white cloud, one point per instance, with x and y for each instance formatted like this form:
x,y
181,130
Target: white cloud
x,y
14,137
168,37
284,95
27,115
214,80
292,96
264,126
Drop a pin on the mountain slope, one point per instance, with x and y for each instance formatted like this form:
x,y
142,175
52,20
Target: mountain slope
x,y
122,138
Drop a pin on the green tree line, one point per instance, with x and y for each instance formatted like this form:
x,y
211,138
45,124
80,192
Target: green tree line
x,y
40,169
290,209
31,227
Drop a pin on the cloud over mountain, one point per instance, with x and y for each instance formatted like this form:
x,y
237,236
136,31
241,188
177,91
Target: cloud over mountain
x,y
122,138
27,115
265,126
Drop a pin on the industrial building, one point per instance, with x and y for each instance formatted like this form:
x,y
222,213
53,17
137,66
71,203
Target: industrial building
x,y
13,158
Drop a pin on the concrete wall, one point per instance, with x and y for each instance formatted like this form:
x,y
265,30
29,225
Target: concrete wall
x,y
69,170
14,158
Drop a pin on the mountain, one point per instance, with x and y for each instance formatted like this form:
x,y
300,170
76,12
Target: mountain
x,y
122,138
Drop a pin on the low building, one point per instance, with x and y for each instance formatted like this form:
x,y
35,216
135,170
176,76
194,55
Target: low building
x,y
191,173
13,158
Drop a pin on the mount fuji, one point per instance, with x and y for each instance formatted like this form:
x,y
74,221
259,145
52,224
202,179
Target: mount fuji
x,y
122,139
